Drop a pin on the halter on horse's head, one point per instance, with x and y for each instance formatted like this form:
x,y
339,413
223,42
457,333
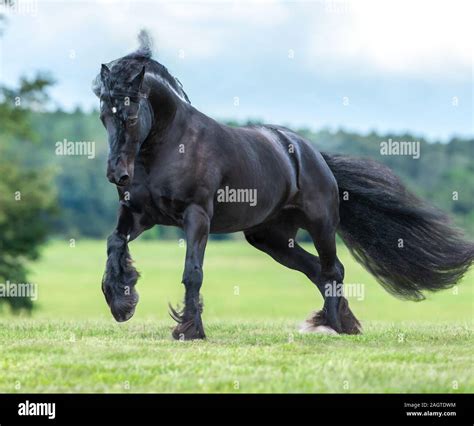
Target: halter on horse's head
x,y
124,87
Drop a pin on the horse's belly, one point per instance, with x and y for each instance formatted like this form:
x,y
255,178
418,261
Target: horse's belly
x,y
236,210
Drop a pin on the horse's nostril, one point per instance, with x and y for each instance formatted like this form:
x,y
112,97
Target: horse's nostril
x,y
123,180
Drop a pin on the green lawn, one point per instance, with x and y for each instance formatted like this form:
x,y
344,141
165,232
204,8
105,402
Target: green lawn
x,y
252,309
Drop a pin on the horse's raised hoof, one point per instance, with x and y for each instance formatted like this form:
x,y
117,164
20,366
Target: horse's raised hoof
x,y
187,329
122,306
120,278
122,300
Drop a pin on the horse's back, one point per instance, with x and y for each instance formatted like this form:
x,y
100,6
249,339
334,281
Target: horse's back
x,y
285,170
314,178
254,160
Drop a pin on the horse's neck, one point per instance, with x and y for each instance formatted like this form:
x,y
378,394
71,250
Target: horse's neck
x,y
170,121
163,101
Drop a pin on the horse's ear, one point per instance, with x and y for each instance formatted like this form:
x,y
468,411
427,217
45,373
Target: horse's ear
x,y
104,73
137,81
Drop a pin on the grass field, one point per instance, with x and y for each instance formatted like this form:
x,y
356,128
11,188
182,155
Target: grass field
x,y
252,309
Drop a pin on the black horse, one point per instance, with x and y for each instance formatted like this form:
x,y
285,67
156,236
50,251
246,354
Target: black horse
x,y
173,165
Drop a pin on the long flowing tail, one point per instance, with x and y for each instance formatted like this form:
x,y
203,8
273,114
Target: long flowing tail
x,y
406,244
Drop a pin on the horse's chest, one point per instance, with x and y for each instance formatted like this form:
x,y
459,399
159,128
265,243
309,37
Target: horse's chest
x,y
144,206
170,210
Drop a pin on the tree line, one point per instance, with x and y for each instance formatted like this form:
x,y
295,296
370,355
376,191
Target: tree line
x,y
439,172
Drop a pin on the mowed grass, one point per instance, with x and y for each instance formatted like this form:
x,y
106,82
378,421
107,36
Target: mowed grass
x,y
252,310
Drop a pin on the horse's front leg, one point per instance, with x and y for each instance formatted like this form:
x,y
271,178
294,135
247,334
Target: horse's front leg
x,y
120,277
196,223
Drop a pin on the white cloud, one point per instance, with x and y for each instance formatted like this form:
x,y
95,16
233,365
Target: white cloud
x,y
200,28
399,36
241,47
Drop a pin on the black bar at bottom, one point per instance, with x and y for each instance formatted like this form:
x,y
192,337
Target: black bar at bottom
x,y
232,409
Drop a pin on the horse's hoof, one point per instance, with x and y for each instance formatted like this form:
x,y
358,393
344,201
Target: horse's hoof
x,y
188,331
352,328
122,316
120,294
123,307
350,324
308,327
318,322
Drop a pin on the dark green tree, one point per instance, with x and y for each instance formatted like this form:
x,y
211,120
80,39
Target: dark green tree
x,y
26,195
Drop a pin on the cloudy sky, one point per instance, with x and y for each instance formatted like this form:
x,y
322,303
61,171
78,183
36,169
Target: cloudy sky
x,y
362,65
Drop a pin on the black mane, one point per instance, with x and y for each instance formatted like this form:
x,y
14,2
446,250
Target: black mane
x,y
125,68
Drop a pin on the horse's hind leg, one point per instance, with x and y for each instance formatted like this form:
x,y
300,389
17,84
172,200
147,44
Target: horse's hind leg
x,y
120,277
278,240
323,234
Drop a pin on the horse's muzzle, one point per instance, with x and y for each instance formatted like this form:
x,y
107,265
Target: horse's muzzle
x,y
120,176
123,180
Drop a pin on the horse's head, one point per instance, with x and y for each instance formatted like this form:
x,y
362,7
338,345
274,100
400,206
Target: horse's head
x,y
127,116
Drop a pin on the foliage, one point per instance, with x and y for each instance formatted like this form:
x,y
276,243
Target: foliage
x,y
26,195
88,201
